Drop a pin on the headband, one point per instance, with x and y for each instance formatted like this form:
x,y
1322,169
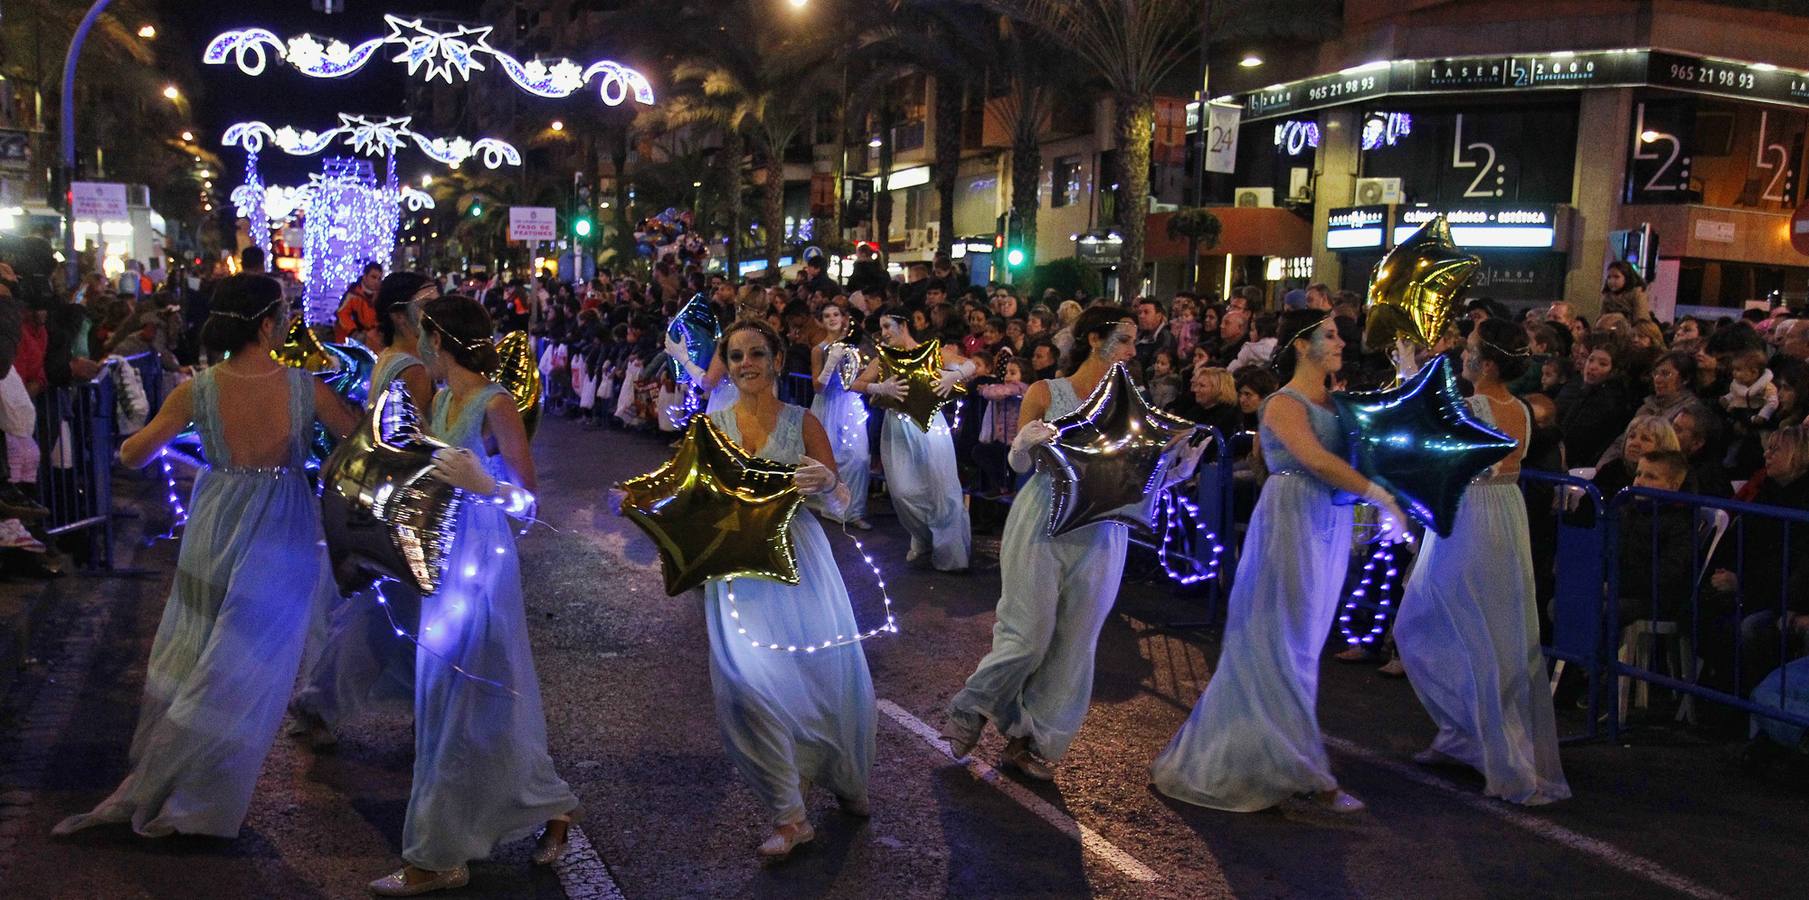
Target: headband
x,y
243,317
441,331
1302,333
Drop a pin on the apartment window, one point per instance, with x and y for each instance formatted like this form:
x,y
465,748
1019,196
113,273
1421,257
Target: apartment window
x,y
1065,182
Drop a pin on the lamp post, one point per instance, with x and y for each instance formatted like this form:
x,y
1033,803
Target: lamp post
x,y
67,113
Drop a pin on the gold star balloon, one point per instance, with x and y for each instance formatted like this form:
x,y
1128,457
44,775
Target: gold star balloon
x,y
919,368
714,511
519,374
1109,456
1415,289
382,510
303,350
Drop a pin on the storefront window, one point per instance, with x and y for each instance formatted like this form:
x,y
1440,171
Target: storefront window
x,y
1714,152
1446,155
1064,187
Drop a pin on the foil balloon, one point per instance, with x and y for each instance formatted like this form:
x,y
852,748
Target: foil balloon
x,y
1109,457
1415,290
383,511
351,377
714,511
919,368
1421,442
518,371
303,350
694,326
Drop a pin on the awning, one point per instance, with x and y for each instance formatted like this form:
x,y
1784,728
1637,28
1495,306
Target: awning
x,y
1248,231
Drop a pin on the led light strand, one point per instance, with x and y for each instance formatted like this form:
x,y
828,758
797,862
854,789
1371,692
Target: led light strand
x,y
430,53
840,640
1175,511
178,512
1380,607
389,613
370,137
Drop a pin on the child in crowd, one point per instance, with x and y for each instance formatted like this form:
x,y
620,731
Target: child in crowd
x,y
1184,324
999,426
1164,381
1657,531
1751,403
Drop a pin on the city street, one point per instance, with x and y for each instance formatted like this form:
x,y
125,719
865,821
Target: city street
x,y
624,673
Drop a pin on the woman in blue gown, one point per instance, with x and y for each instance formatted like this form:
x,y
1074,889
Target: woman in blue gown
x,y
482,775
1468,629
922,476
1054,592
1253,739
251,574
356,662
842,413
788,719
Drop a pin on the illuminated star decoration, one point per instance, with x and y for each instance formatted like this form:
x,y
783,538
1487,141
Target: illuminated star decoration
x,y
439,51
1415,289
714,511
1109,457
1421,442
920,369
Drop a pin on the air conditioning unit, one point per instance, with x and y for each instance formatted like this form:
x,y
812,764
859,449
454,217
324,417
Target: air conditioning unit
x,y
914,238
1380,192
1256,196
932,233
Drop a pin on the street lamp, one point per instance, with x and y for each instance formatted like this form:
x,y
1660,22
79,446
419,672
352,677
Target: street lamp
x,y
558,125
188,136
799,4
147,31
427,181
1250,61
171,93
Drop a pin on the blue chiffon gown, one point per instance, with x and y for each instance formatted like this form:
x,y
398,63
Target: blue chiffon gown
x,y
356,664
251,574
791,716
482,775
1468,632
1253,739
1054,596
844,417
925,485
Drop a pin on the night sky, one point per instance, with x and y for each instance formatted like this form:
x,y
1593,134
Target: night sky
x,y
281,95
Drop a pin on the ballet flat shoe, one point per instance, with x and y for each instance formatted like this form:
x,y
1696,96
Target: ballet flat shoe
x,y
779,846
1019,756
396,883
1339,802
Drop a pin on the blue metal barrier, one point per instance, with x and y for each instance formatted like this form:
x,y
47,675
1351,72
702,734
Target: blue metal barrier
x,y
149,367
1705,552
75,471
1580,566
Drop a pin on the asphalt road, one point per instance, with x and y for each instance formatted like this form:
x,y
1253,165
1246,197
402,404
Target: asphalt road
x,y
624,673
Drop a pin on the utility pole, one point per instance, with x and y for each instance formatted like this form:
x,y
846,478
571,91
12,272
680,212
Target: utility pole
x,y
67,112
1198,197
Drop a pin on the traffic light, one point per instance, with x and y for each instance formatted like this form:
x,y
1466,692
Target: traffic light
x,y
581,226
477,210
1010,239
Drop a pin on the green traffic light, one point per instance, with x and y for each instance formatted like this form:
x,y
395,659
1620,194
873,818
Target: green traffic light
x,y
1014,257
582,228
477,210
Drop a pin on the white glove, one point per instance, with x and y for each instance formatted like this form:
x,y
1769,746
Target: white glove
x,y
463,470
1035,433
813,477
945,383
1186,460
676,350
832,359
1406,358
893,387
1393,524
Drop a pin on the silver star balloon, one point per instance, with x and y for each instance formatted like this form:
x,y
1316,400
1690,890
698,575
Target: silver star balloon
x,y
384,512
1109,457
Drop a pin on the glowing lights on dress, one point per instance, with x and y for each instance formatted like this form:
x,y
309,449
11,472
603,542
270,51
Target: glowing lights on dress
x,y
1380,607
840,640
456,607
430,53
1175,511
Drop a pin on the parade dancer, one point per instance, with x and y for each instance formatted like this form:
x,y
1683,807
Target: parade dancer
x,y
482,775
1253,740
1468,630
1055,592
922,477
358,663
842,413
788,720
251,574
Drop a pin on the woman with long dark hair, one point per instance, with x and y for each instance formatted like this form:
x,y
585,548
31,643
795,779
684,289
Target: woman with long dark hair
x,y
921,473
1468,629
1253,738
358,663
1055,592
482,775
251,574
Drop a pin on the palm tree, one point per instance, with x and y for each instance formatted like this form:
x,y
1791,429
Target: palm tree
x,y
1034,78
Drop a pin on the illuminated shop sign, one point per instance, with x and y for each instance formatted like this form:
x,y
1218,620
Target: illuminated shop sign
x,y
1385,129
1561,70
1502,227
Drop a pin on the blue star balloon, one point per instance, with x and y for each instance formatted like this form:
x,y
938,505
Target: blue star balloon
x,y
695,327
1421,442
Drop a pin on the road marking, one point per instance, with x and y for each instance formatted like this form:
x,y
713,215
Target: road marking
x,y
582,874
1630,863
1062,822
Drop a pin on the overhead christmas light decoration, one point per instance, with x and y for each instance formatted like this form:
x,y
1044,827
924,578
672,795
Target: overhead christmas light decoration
x,y
430,53
371,137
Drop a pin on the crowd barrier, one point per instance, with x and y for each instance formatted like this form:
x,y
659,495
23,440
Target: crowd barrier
x,y
75,432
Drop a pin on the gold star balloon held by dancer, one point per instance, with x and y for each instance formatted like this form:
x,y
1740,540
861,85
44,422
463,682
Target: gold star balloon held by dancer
x,y
1109,456
303,350
919,368
1415,289
519,374
381,507
714,511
